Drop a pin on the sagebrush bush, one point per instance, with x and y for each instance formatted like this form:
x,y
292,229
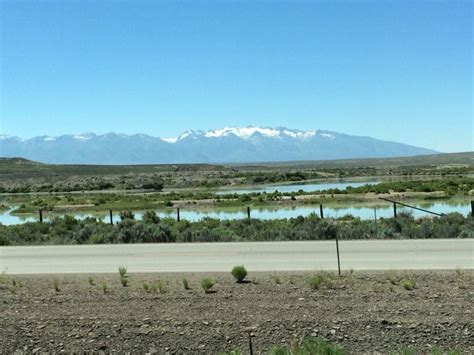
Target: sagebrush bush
x,y
315,281
239,273
146,287
123,276
160,285
105,287
122,271
91,280
185,283
408,284
207,283
56,285
124,280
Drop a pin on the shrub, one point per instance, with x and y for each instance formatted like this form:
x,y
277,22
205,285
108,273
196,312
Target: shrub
x,y
127,214
56,285
160,286
315,281
123,276
122,270
91,281
239,273
146,287
105,287
186,284
207,283
124,280
408,284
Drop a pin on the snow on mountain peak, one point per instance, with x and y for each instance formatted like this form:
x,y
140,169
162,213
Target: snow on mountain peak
x,y
169,140
83,136
244,132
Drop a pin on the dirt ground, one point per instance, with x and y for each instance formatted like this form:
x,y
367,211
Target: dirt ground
x,y
363,312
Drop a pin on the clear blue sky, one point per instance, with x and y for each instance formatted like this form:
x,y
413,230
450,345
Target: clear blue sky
x,y
394,70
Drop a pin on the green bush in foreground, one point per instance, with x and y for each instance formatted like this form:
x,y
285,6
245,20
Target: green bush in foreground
x,y
408,284
207,283
315,281
56,285
123,276
239,273
186,284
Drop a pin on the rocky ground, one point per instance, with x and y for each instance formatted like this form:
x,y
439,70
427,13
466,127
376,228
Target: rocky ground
x,y
363,312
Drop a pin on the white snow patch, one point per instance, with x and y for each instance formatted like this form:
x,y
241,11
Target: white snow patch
x,y
327,135
244,132
81,136
299,134
170,140
184,135
49,139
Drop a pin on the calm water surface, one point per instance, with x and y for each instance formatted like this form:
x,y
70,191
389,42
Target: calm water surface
x,y
363,212
341,185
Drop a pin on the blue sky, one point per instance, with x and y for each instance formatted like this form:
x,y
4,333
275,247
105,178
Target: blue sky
x,y
394,70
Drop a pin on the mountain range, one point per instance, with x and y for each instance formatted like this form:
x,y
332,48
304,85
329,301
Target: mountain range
x,y
225,145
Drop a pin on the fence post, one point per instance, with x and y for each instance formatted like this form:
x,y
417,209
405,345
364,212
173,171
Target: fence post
x,y
250,343
338,259
375,220
472,208
321,214
177,214
41,216
111,218
248,212
395,209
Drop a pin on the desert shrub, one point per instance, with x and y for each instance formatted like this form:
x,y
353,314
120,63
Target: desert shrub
x,y
105,287
91,280
146,287
160,286
126,214
239,273
408,284
3,278
123,276
150,217
207,283
56,285
185,283
122,270
315,281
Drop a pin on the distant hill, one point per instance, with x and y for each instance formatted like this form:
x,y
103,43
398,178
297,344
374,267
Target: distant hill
x,y
226,145
23,168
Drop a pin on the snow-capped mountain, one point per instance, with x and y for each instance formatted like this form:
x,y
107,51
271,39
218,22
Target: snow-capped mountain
x,y
224,145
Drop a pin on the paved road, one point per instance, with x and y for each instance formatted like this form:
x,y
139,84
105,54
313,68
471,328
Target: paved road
x,y
257,256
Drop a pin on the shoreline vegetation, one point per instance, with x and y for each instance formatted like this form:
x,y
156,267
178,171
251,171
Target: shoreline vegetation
x,y
460,188
153,229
